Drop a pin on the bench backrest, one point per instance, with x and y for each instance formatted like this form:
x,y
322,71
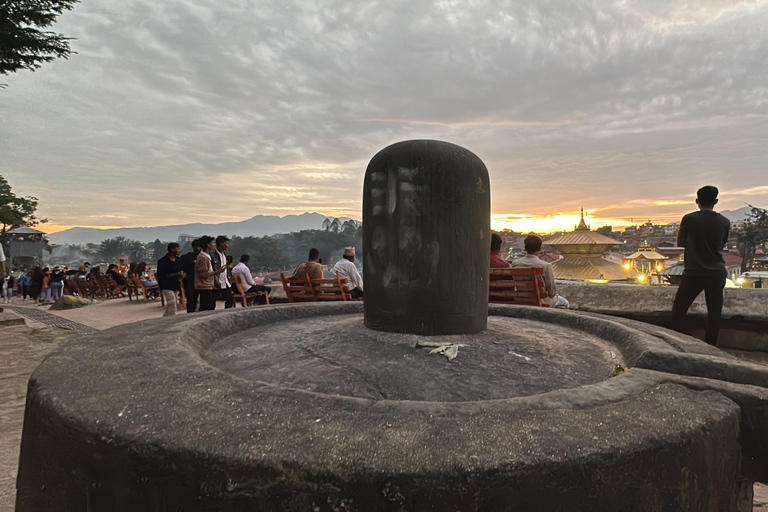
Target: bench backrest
x,y
517,286
312,290
297,290
330,289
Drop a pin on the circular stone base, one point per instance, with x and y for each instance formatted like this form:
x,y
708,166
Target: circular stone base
x,y
340,356
299,408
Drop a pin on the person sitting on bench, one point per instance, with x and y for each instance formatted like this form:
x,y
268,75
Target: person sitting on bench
x,y
531,259
346,269
246,279
312,268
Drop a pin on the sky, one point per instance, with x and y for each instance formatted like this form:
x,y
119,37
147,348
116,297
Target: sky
x,y
218,110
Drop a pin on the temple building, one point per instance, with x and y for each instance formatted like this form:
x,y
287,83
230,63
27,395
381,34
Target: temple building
x,y
583,259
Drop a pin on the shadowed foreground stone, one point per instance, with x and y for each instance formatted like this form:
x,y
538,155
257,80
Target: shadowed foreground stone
x,y
259,409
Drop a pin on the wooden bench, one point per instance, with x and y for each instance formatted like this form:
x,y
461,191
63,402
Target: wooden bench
x,y
315,290
524,286
245,296
330,289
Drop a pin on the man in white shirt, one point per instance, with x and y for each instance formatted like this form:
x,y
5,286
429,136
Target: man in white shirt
x,y
531,259
346,269
242,271
221,284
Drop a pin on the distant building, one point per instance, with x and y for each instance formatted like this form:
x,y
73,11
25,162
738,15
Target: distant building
x,y
583,257
184,238
26,248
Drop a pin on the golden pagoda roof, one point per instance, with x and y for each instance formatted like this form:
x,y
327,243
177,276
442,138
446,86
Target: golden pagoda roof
x,y
647,254
582,236
592,269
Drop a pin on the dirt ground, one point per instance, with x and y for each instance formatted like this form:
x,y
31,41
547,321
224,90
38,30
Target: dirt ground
x,y
23,347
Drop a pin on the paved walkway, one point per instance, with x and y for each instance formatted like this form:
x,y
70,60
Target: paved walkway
x,y
45,318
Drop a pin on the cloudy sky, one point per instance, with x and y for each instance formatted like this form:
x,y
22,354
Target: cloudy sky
x,y
217,110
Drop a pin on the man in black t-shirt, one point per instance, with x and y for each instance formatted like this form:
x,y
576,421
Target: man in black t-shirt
x,y
703,234
187,262
169,275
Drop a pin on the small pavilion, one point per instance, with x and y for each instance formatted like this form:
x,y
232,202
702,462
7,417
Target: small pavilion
x,y
26,248
646,260
583,259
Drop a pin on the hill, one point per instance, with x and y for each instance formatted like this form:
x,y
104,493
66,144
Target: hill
x,y
260,225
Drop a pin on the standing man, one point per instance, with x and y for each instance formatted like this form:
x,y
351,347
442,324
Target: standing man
x,y
496,260
222,282
531,259
187,262
703,234
169,275
205,276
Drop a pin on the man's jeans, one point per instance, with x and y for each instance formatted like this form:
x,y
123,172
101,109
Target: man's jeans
x,y
171,299
690,287
57,289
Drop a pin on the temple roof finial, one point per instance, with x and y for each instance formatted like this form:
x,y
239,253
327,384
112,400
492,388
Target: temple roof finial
x,y
582,224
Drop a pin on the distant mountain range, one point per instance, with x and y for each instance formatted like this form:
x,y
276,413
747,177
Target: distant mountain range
x,y
736,215
260,225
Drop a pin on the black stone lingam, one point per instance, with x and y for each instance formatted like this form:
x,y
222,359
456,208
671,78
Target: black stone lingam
x,y
426,234
303,408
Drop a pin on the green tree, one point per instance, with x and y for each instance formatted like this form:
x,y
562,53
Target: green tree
x,y
23,45
16,211
159,249
752,235
112,249
335,225
605,230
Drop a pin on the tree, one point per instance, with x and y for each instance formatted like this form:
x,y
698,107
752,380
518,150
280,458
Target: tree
x,y
22,44
327,224
605,230
113,248
752,235
16,211
159,249
335,225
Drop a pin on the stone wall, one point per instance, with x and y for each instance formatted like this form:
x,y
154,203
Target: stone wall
x,y
745,310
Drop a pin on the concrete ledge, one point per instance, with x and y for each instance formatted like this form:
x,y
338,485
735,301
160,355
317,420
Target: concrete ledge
x,y
745,310
10,318
153,426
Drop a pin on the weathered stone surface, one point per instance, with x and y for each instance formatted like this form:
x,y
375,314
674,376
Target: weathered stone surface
x,y
157,426
426,239
8,318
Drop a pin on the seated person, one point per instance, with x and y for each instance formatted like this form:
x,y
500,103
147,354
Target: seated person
x,y
496,260
531,259
346,269
123,267
312,268
114,273
246,279
143,272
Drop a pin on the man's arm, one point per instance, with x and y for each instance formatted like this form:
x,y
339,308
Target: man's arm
x,y
245,274
549,281
682,233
